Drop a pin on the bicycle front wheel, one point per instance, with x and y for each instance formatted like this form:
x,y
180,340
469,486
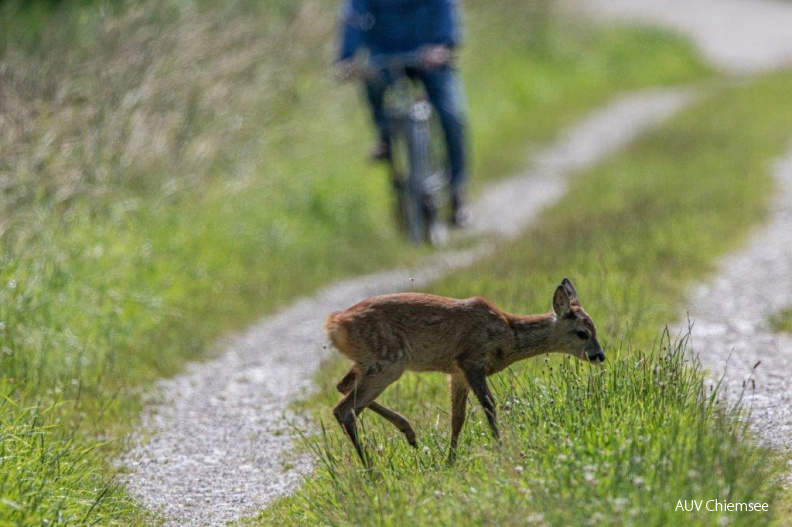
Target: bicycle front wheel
x,y
420,207
419,175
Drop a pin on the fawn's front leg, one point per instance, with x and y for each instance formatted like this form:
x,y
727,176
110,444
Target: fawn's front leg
x,y
477,380
459,393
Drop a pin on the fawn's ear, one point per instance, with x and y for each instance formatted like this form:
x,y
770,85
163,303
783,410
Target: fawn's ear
x,y
570,289
561,302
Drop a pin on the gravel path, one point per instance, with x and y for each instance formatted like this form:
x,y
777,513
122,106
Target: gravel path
x,y
220,435
739,36
731,333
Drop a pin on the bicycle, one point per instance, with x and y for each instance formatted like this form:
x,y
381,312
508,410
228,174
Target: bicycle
x,y
418,164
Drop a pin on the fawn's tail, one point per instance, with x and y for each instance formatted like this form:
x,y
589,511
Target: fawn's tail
x,y
337,333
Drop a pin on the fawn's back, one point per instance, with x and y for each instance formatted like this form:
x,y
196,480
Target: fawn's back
x,y
425,332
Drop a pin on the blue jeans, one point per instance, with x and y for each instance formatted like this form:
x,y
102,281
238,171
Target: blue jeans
x,y
444,90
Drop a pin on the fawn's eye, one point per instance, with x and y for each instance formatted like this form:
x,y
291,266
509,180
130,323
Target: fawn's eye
x,y
582,335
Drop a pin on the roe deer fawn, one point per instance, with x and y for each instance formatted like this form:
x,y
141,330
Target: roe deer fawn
x,y
468,339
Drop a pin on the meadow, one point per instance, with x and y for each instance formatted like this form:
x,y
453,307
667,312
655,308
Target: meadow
x,y
172,171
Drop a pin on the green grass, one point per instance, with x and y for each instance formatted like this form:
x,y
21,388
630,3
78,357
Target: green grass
x,y
37,449
781,322
172,171
616,445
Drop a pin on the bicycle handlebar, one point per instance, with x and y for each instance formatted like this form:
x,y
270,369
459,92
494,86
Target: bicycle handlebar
x,y
420,59
411,59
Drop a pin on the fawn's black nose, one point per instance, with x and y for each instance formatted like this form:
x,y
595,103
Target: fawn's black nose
x,y
597,357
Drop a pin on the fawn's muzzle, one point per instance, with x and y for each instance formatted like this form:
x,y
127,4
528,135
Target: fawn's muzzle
x,y
598,357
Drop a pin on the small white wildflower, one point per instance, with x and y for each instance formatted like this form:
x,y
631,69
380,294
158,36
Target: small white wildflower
x,y
637,480
535,518
596,519
619,504
519,469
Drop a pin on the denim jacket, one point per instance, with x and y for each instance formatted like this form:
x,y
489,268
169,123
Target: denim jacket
x,y
397,26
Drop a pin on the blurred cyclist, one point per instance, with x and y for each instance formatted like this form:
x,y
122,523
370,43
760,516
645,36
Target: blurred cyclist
x,y
431,28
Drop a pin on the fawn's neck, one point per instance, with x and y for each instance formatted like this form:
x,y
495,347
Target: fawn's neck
x,y
532,335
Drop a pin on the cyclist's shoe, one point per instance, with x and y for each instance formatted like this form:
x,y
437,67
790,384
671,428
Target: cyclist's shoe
x,y
380,151
461,215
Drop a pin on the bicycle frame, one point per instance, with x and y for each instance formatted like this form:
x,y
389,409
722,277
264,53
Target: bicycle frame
x,y
418,173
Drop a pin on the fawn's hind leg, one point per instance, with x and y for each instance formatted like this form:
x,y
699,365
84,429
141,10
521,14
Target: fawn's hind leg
x,y
399,421
370,385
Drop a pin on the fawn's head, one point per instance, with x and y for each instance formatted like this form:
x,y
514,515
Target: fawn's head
x,y
574,331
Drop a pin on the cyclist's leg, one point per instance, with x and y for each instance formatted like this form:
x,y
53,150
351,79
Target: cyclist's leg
x,y
446,95
375,94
